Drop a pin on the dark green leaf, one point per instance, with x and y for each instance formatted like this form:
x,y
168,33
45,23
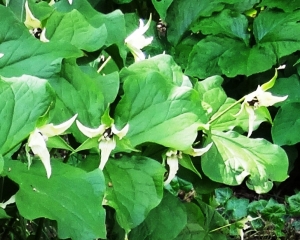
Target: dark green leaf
x,y
165,221
71,196
135,187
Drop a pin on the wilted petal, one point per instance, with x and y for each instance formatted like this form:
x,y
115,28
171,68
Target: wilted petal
x,y
172,161
106,146
9,201
90,132
38,146
120,133
51,130
198,152
30,20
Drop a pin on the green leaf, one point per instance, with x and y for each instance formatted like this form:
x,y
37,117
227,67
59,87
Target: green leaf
x,y
78,32
182,13
71,196
24,54
3,214
286,124
78,93
223,195
135,187
236,208
166,105
273,210
1,164
29,98
294,204
58,142
161,6
228,23
292,6
187,162
213,223
165,221
237,157
277,31
195,219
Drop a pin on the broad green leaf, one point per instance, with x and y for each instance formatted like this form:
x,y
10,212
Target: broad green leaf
x,y
244,5
165,105
1,164
78,93
161,6
29,98
165,221
17,7
287,86
182,13
236,208
71,196
223,195
164,64
24,54
78,32
286,124
277,31
195,219
187,162
135,187
237,157
228,23
273,210
58,142
294,204
213,223
290,7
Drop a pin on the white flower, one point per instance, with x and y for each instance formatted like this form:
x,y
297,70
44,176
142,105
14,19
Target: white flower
x,y
9,201
1,55
173,157
106,138
30,21
136,40
256,99
38,138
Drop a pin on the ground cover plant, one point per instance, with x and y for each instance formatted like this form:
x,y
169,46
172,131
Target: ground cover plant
x,y
162,119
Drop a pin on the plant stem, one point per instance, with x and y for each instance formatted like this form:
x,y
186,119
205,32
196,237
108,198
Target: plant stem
x,y
103,65
224,111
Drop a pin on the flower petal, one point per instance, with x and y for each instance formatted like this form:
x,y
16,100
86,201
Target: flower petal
x,y
1,55
30,20
50,130
198,152
38,146
90,132
267,99
43,36
120,133
11,200
252,117
172,161
106,146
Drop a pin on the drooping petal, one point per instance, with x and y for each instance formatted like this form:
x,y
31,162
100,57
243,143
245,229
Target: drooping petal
x,y
199,151
90,132
172,161
252,117
136,34
120,133
137,53
11,200
106,146
70,1
30,20
51,130
267,99
1,55
43,36
38,146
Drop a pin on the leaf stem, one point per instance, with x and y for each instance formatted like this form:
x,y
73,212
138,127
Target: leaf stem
x,y
103,65
224,111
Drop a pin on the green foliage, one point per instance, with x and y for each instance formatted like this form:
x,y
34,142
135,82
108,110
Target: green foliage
x,y
195,86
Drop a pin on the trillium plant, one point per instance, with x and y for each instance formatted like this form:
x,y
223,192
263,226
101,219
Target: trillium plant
x,y
118,116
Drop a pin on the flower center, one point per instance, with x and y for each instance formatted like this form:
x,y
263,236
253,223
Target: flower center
x,y
108,134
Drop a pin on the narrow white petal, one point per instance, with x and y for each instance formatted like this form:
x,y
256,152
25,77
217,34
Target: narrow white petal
x,y
252,118
38,146
120,133
199,151
51,130
11,200
267,99
70,1
90,132
106,146
1,55
43,36
173,168
30,20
